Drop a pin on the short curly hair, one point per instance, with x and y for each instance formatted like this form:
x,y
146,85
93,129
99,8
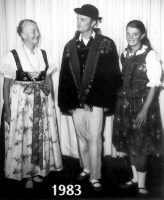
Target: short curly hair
x,y
22,24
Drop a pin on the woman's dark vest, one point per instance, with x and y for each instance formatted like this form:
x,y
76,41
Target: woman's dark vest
x,y
134,75
25,76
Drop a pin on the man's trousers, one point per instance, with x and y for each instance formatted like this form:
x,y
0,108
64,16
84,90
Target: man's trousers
x,y
88,125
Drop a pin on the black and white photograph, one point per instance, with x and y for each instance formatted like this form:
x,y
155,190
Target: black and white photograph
x,y
81,99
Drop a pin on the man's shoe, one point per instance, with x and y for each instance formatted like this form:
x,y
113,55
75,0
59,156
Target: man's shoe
x,y
126,185
82,177
98,188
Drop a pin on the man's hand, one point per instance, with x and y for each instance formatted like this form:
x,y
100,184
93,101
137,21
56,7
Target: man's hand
x,y
70,112
106,109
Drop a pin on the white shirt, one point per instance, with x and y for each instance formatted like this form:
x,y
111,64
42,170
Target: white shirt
x,y
33,59
86,40
8,67
154,70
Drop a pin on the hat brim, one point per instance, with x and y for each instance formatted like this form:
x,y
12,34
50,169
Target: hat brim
x,y
80,12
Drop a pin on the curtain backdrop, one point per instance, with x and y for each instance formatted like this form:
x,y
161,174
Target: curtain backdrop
x,y
57,23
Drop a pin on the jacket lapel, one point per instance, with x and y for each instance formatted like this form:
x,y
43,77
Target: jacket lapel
x,y
91,63
90,66
75,61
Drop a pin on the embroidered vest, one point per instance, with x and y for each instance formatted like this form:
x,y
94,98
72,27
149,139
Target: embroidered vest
x,y
25,76
136,80
82,52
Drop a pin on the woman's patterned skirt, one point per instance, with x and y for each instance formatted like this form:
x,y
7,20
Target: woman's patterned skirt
x,y
130,139
31,140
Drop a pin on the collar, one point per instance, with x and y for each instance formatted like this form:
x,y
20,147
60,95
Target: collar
x,y
84,86
93,35
28,50
140,51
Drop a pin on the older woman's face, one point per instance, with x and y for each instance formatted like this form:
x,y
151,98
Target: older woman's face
x,y
31,34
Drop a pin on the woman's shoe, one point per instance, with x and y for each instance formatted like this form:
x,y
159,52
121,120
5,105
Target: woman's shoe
x,y
141,194
29,184
128,184
37,179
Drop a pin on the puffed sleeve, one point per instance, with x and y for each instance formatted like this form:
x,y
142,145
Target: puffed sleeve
x,y
154,70
8,67
120,64
52,66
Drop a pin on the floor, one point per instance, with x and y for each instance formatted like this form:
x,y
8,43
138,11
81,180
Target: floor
x,y
63,184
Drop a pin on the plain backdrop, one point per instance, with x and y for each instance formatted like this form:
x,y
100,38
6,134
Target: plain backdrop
x,y
57,23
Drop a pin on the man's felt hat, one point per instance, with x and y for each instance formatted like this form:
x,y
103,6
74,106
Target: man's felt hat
x,y
89,11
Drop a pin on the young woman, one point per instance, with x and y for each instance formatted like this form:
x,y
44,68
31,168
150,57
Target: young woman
x,y
137,123
31,136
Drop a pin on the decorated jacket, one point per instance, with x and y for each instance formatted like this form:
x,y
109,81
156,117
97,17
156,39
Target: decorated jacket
x,y
101,77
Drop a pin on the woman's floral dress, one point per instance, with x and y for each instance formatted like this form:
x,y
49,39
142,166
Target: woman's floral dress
x,y
31,141
140,72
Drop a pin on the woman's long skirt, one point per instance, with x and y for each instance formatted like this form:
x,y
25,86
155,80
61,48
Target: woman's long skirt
x,y
31,140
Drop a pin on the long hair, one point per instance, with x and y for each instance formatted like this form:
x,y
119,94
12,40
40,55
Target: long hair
x,y
138,24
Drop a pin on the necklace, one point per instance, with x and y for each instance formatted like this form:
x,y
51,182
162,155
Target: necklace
x,y
35,71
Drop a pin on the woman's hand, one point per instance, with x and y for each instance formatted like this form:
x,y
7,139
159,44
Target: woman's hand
x,y
141,118
7,117
6,95
49,84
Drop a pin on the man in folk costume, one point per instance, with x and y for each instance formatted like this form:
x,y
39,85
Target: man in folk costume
x,y
89,79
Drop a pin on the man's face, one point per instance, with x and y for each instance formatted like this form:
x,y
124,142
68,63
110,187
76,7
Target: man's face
x,y
84,23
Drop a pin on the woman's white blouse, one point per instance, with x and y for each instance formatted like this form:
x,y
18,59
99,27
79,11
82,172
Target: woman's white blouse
x,y
153,66
35,63
154,70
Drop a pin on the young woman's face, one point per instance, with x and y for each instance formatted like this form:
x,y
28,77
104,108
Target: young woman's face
x,y
134,36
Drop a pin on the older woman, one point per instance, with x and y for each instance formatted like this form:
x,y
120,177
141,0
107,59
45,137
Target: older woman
x,y
31,135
